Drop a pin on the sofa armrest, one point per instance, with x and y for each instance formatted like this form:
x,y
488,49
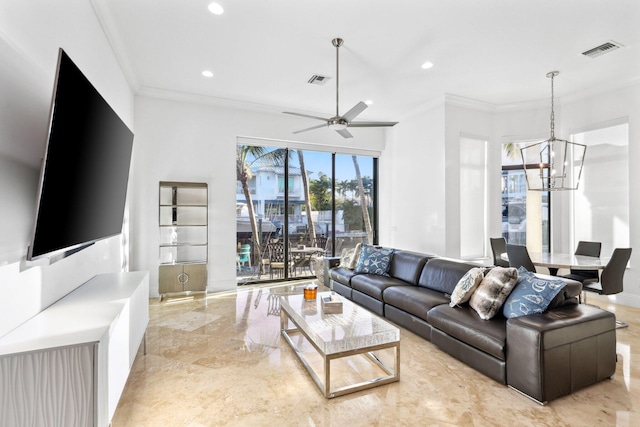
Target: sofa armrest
x,y
554,353
329,263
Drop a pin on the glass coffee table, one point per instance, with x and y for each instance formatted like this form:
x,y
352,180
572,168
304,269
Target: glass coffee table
x,y
354,332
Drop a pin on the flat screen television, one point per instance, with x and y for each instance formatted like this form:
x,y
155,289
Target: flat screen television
x,y
85,170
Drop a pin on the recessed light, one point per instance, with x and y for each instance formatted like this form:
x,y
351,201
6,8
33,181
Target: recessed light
x,y
207,73
216,9
427,65
368,102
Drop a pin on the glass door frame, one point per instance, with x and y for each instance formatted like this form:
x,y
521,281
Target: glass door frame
x,y
333,215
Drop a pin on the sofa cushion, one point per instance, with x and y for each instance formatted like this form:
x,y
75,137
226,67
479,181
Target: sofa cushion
x,y
373,285
493,291
342,275
531,294
374,260
441,274
466,286
464,324
413,299
407,266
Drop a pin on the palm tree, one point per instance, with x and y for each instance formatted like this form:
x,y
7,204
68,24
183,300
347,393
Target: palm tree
x,y
246,156
510,149
342,187
363,200
352,187
307,198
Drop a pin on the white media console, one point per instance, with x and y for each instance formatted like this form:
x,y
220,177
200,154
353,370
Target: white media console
x,y
68,365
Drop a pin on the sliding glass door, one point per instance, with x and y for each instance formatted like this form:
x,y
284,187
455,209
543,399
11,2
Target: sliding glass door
x,y
354,197
293,206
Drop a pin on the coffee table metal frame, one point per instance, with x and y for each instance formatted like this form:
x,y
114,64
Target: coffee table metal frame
x,y
393,373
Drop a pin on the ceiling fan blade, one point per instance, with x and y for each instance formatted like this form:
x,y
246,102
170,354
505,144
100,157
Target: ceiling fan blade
x,y
357,109
305,115
311,128
371,124
345,133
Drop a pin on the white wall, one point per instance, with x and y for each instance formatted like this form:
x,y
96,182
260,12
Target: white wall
x,y
30,34
621,103
195,140
412,183
420,174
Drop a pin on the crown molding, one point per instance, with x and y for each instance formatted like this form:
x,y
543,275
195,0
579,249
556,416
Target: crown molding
x,y
192,98
472,104
110,29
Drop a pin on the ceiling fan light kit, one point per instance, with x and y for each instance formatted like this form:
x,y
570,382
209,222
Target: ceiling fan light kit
x,y
340,123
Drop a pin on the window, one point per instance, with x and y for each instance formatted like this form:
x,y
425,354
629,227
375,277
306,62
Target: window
x,y
601,202
523,211
473,198
281,184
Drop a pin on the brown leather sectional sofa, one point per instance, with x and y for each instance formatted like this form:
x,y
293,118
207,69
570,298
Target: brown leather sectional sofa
x,y
543,356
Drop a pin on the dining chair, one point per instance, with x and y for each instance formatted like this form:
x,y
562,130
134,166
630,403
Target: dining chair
x,y
587,249
277,261
498,247
320,242
611,278
519,257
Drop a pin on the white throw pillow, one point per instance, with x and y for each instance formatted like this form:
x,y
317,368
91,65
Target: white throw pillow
x,y
466,286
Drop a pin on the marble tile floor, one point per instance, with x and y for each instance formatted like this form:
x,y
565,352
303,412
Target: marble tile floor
x,y
219,360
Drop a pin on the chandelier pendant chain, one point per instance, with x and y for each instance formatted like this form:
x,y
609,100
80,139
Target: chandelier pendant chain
x,y
552,113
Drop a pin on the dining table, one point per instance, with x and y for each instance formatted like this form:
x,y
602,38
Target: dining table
x,y
556,260
302,256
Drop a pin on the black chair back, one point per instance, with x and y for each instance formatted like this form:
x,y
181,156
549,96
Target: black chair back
x,y
587,249
498,247
519,257
612,276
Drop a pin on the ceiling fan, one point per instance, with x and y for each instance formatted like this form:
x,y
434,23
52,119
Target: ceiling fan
x,y
341,123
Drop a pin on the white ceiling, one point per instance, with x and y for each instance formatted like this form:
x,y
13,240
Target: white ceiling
x,y
264,51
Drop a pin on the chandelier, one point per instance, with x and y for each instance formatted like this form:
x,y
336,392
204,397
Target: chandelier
x,y
559,162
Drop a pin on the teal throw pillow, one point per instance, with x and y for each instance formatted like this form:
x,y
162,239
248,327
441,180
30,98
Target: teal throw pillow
x,y
374,260
531,294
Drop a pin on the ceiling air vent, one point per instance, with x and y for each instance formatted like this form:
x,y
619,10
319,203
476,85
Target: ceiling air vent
x,y
317,79
602,49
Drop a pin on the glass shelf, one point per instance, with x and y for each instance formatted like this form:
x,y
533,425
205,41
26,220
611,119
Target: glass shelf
x,y
183,234
179,254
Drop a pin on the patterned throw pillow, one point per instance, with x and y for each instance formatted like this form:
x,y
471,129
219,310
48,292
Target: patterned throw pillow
x,y
356,256
531,294
493,291
374,260
466,286
349,257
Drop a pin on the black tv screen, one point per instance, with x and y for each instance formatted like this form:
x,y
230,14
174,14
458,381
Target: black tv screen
x,y
83,182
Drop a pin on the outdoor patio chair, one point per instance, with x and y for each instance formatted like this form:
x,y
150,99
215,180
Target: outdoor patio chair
x,y
277,261
244,257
